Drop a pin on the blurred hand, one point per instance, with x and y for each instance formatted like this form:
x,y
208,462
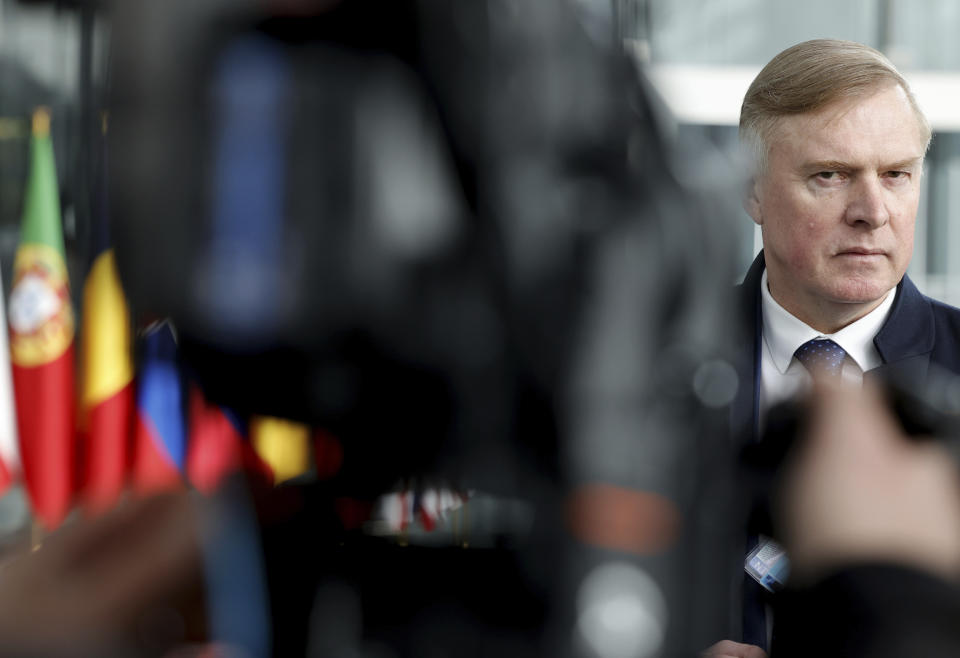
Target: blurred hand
x,y
731,649
857,490
127,583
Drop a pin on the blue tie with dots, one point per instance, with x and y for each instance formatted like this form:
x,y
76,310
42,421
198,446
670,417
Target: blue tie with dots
x,y
821,357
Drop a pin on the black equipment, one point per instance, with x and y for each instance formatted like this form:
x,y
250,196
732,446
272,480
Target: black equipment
x,y
450,233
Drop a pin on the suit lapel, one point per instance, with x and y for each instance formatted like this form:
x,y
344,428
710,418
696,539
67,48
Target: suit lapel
x,y
906,338
746,405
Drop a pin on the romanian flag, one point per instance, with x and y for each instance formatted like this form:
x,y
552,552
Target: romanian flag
x,y
160,432
107,369
41,338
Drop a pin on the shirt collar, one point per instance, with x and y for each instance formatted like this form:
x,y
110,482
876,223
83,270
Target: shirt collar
x,y
784,333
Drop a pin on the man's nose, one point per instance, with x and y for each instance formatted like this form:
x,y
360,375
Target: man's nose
x,y
867,203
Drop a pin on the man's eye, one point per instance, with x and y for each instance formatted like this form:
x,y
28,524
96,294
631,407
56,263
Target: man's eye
x,y
827,175
896,174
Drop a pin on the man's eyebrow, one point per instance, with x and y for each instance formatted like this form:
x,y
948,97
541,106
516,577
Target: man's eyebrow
x,y
904,164
826,165
839,165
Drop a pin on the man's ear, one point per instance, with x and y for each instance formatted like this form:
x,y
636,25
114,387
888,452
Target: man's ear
x,y
751,200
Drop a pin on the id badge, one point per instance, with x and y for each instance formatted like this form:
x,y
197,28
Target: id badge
x,y
768,564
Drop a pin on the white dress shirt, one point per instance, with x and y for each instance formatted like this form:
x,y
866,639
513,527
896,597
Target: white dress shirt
x,y
782,376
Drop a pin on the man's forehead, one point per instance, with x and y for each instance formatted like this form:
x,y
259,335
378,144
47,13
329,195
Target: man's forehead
x,y
855,126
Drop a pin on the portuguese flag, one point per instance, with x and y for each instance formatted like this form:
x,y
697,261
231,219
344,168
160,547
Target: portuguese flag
x,y
41,338
107,367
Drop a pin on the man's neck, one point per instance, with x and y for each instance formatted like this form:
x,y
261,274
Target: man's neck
x,y
824,316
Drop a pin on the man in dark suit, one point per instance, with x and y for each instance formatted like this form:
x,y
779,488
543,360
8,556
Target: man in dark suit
x,y
837,143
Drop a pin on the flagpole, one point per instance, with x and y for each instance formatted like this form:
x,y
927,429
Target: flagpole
x,y
37,534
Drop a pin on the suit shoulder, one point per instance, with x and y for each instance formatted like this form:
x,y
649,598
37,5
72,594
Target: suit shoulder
x,y
946,348
944,312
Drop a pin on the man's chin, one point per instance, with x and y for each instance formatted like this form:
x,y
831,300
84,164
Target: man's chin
x,y
862,294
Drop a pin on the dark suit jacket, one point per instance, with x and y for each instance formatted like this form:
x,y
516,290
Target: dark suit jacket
x,y
920,340
921,335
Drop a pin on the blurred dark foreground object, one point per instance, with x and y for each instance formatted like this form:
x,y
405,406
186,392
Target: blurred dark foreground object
x,y
449,234
871,610
389,208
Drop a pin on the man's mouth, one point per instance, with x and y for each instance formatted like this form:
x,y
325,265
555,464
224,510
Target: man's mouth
x,y
858,251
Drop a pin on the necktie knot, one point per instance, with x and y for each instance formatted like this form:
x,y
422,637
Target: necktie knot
x,y
821,357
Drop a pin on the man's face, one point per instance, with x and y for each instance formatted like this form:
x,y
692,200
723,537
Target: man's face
x,y
837,205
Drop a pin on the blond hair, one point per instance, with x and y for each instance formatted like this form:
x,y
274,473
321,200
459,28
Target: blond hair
x,y
808,77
